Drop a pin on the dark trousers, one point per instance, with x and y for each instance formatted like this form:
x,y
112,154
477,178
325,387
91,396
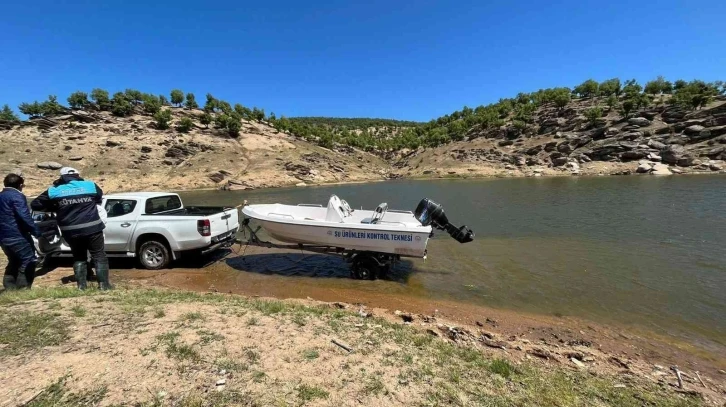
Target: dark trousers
x,y
20,271
82,245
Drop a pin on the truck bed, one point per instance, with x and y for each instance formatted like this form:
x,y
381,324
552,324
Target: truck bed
x,y
193,211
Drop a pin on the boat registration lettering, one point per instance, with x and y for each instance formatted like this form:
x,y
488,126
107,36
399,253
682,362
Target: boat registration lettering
x,y
354,234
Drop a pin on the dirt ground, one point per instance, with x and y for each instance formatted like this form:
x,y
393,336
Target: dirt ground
x,y
150,347
277,357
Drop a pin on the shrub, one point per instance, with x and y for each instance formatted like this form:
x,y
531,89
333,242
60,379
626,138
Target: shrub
x,y
6,114
592,114
134,96
610,87
78,100
51,107
587,89
177,97
206,119
211,104
152,104
185,125
191,102
258,114
233,128
120,105
656,87
164,101
100,97
31,109
162,118
561,98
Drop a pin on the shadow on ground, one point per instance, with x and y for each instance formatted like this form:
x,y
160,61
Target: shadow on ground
x,y
309,265
189,261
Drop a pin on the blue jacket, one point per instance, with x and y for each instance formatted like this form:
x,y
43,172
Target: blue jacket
x,y
74,202
15,219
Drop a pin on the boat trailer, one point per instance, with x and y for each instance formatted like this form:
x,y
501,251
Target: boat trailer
x,y
365,265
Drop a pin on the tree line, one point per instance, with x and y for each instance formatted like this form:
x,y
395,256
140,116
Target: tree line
x,y
371,134
218,112
518,112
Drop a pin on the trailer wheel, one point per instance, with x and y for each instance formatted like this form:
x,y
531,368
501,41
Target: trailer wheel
x,y
366,269
154,255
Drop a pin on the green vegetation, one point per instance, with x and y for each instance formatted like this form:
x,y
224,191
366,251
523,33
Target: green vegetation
x,y
177,97
592,114
6,114
308,393
311,354
587,89
191,102
185,125
162,118
517,115
25,331
120,105
206,119
78,100
439,371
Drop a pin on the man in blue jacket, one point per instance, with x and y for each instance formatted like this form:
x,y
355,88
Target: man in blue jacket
x,y
74,201
16,227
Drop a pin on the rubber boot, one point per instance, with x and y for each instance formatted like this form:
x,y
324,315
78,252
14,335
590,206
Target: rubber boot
x,y
102,275
80,270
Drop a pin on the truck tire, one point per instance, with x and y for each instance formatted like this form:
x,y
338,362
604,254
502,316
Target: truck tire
x,y
154,255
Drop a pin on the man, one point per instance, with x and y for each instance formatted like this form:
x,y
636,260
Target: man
x,y
16,227
74,201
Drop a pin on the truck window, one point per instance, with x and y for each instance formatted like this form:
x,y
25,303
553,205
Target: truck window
x,y
163,204
119,207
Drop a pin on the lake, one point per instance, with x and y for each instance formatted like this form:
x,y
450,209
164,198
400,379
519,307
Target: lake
x,y
643,251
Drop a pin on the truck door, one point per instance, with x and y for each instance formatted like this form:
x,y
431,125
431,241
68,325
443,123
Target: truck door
x,y
122,218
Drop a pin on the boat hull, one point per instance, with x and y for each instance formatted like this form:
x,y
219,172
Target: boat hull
x,y
404,243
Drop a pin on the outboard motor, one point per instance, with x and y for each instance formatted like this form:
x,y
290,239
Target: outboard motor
x,y
429,212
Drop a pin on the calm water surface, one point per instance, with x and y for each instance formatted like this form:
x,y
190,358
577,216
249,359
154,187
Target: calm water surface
x,y
644,251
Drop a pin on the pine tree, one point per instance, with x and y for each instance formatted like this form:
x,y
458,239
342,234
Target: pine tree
x,y
6,114
191,102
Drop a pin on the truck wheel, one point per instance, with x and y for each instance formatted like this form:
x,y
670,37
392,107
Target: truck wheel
x,y
154,255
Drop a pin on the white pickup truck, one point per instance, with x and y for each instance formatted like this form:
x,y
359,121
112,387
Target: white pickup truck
x,y
154,227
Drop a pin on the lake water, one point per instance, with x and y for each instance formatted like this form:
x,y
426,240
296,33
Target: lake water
x,y
644,251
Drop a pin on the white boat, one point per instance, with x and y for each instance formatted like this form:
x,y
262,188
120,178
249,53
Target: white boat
x,y
337,225
372,240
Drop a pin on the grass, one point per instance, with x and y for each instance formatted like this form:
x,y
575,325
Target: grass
x,y
56,395
191,317
176,350
502,367
374,385
311,354
440,372
159,313
206,336
78,311
308,393
25,331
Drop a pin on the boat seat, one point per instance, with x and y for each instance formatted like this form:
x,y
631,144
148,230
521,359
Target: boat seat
x,y
378,214
337,210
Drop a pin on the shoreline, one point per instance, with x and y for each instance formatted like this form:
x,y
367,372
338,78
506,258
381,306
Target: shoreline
x,y
551,343
176,347
630,341
499,174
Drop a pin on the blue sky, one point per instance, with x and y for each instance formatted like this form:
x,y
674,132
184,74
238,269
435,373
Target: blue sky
x,y
412,60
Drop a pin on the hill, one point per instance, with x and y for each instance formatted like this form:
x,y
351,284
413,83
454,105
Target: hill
x,y
139,150
135,140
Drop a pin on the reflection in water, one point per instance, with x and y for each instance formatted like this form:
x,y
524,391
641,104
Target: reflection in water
x,y
646,251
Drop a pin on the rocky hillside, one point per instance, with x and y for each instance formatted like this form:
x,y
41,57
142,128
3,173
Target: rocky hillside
x,y
661,139
130,153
